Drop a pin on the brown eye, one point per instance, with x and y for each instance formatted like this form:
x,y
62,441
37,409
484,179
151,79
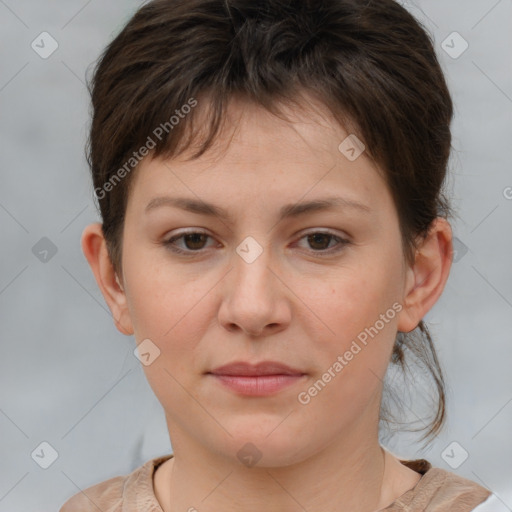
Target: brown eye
x,y
193,241
319,242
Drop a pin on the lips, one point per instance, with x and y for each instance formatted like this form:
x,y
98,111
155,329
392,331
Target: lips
x,y
266,378
245,369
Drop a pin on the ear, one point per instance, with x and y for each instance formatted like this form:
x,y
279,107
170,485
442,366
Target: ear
x,y
94,248
426,279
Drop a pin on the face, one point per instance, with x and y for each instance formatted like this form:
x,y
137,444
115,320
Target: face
x,y
318,291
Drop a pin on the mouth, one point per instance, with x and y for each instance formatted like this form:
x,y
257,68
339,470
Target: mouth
x,y
262,379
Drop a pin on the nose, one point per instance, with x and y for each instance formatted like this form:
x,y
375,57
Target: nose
x,y
254,298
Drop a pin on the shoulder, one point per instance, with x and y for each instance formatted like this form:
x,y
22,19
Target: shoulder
x,y
106,496
117,494
454,491
440,490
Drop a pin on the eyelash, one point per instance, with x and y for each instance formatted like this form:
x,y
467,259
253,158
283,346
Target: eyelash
x,y
342,242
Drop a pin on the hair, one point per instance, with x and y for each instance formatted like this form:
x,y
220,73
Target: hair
x,y
370,62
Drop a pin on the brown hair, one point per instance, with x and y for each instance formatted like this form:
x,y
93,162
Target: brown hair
x,y
370,62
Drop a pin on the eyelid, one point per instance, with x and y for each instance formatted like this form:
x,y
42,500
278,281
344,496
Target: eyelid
x,y
326,231
181,234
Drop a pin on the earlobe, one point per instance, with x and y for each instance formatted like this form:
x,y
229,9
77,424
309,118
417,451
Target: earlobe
x,y
427,278
95,250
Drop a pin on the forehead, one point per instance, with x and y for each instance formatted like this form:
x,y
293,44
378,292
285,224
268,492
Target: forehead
x,y
259,158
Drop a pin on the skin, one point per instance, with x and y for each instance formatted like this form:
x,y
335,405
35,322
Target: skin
x,y
290,305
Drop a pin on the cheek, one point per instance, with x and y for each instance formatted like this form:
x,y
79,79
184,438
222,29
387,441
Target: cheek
x,y
359,323
164,299
351,300
173,308
173,312
350,365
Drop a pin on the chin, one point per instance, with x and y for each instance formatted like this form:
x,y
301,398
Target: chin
x,y
268,443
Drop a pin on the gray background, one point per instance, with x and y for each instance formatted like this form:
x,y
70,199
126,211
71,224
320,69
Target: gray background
x,y
69,378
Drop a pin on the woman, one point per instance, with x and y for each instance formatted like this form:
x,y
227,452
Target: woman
x,y
269,176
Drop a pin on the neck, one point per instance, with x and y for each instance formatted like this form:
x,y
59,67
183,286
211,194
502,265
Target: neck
x,y
354,475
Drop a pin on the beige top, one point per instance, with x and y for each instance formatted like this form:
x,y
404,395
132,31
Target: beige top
x,y
437,490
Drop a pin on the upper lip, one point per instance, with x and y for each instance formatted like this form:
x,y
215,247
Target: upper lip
x,y
262,368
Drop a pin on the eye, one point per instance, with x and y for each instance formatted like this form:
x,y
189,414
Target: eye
x,y
318,241
194,242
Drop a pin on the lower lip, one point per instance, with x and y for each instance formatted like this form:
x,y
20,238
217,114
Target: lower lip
x,y
260,385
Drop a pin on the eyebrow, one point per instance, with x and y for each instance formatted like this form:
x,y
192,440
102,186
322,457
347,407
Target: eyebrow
x,y
287,211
